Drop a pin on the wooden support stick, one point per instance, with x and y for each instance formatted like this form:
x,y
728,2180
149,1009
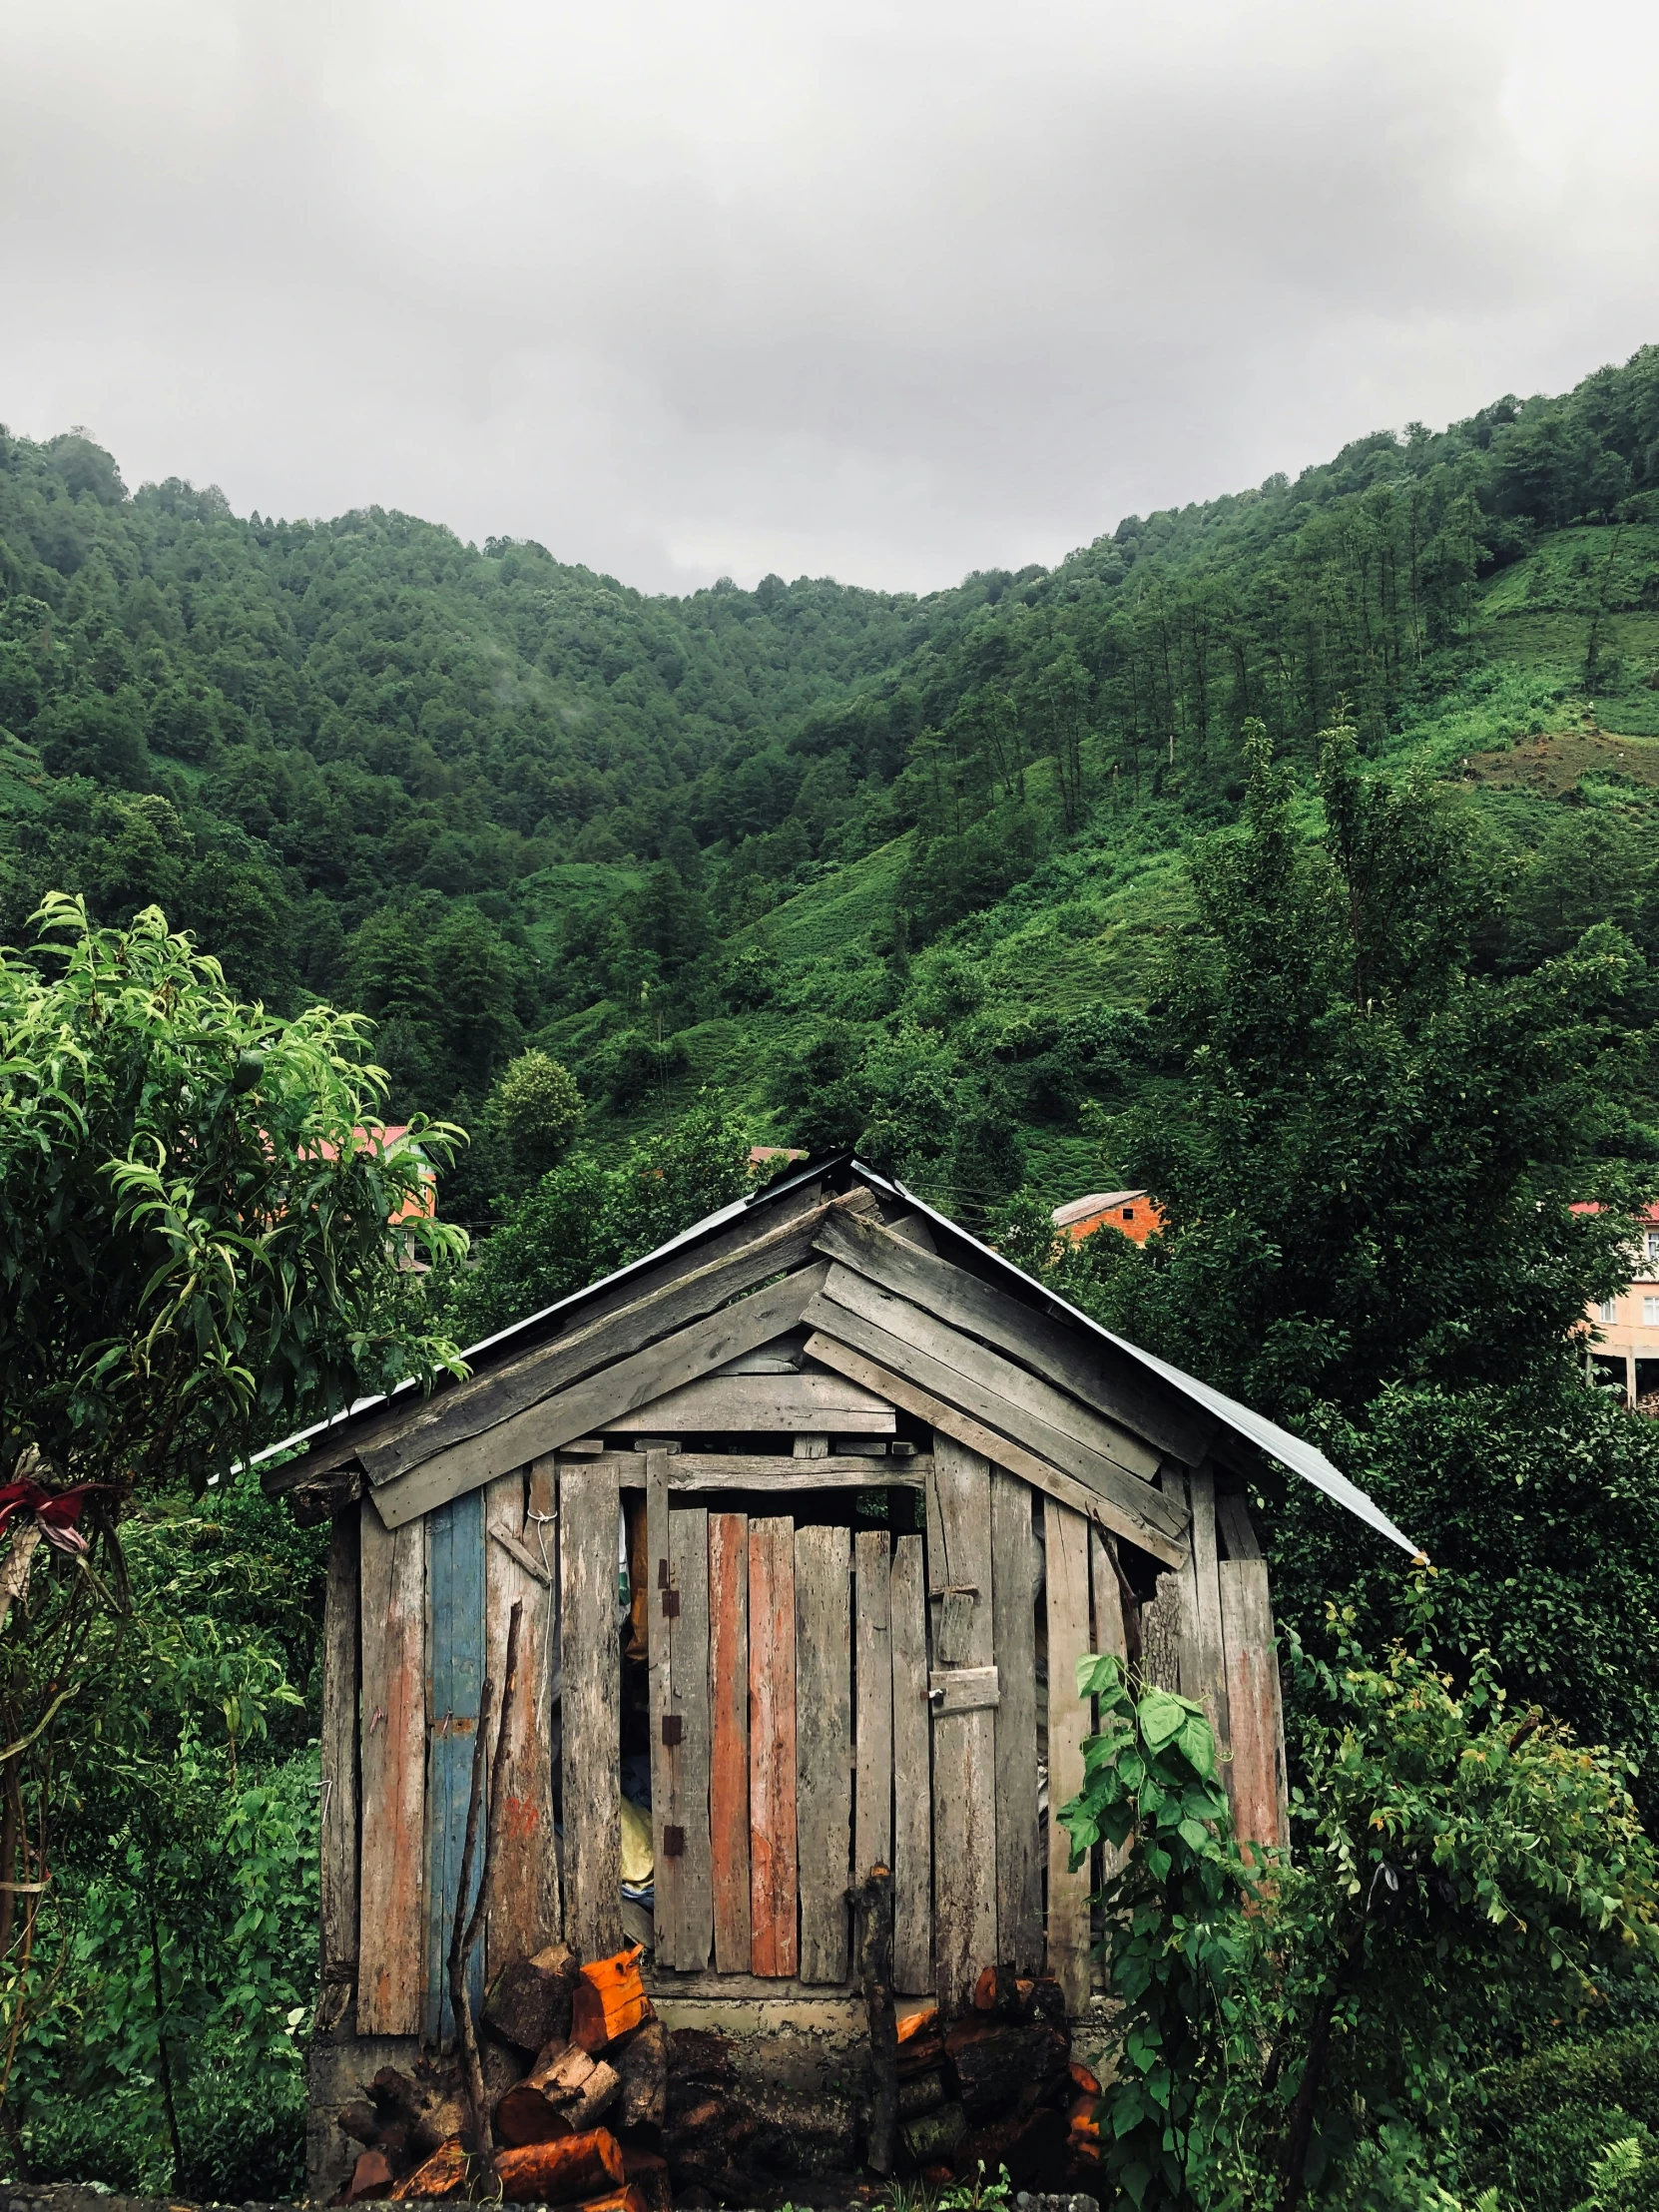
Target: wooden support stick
x,y
872,1918
467,1929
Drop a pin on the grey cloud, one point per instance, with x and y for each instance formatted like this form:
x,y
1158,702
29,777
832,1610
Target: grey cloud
x,y
885,291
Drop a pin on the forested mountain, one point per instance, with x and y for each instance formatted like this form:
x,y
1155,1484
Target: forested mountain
x,y
882,866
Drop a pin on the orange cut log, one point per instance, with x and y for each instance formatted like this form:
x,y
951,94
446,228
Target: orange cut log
x,y
524,2116
1085,2127
563,2171
371,2177
609,2001
628,2199
918,2023
443,2175
1083,2079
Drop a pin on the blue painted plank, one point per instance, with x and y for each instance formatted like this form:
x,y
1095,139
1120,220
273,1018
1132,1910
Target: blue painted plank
x,y
455,1596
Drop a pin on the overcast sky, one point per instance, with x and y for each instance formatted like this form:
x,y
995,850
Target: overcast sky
x,y
885,291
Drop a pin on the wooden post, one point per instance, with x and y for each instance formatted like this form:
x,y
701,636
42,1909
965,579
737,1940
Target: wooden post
x,y
1019,1895
524,1905
824,1746
592,1735
1067,1548
873,1728
911,1746
965,1741
392,1751
771,1881
729,1756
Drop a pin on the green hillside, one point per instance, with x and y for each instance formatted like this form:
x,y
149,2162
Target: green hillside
x,y
879,867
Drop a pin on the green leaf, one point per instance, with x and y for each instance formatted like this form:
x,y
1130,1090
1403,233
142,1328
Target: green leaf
x,y
1161,1717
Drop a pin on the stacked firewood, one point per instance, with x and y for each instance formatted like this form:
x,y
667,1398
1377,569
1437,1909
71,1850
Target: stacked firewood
x,y
575,2070
998,2088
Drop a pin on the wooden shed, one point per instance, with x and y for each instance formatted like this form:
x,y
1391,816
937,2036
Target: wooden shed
x,y
812,1513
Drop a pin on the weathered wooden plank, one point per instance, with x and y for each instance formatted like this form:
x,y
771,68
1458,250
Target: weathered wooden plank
x,y
1233,1519
1019,1895
688,1577
427,1425
1109,1634
668,1909
1050,1414
773,1949
338,1840
759,1470
592,1729
964,1690
455,1658
1256,1778
959,1588
1066,1550
524,1900
728,1735
587,1405
1120,1513
824,1746
912,1840
719,1402
873,1676
1057,1349
392,1767
1209,1664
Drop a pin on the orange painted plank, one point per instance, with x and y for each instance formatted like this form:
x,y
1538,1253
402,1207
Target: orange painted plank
x,y
773,1878
392,1766
729,1702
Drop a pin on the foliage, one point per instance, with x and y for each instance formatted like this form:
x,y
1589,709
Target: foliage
x,y
1173,1917
1460,1880
586,1218
178,1937
1537,2125
194,1207
1378,1167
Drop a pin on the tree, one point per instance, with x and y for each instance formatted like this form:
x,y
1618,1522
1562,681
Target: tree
x,y
196,1249
539,1110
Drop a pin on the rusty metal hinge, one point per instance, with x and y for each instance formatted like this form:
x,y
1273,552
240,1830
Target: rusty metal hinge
x,y
674,1728
674,1842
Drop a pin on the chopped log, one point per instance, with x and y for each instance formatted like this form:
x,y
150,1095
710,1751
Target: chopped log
x,y
430,2106
997,1993
561,2172
698,2054
444,2174
921,2094
993,2069
643,2066
933,2137
529,2002
646,2173
872,1906
362,2122
371,2177
1033,2149
613,2200
599,2093
924,2022
609,2001
559,2073
1047,2002
524,2115
1087,2082
920,2057
1085,2123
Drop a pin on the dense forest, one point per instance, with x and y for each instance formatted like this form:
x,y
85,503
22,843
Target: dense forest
x,y
879,866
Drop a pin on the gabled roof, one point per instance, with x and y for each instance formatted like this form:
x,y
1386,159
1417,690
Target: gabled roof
x,y
510,1354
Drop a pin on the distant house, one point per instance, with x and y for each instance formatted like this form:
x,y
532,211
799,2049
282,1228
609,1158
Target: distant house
x,y
1132,1213
1624,1330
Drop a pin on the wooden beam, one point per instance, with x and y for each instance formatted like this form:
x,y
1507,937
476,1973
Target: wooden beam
x,y
976,1394
949,1420
772,1760
912,1856
824,1746
729,1726
1066,1543
1056,1421
339,1822
767,1402
760,1471
686,1807
1209,1664
1233,1519
1256,1778
959,1589
393,1757
587,1405
591,1744
1097,1373
872,1674
520,1562
1019,1892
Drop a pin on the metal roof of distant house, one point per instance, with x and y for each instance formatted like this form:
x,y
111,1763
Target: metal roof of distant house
x,y
1098,1201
